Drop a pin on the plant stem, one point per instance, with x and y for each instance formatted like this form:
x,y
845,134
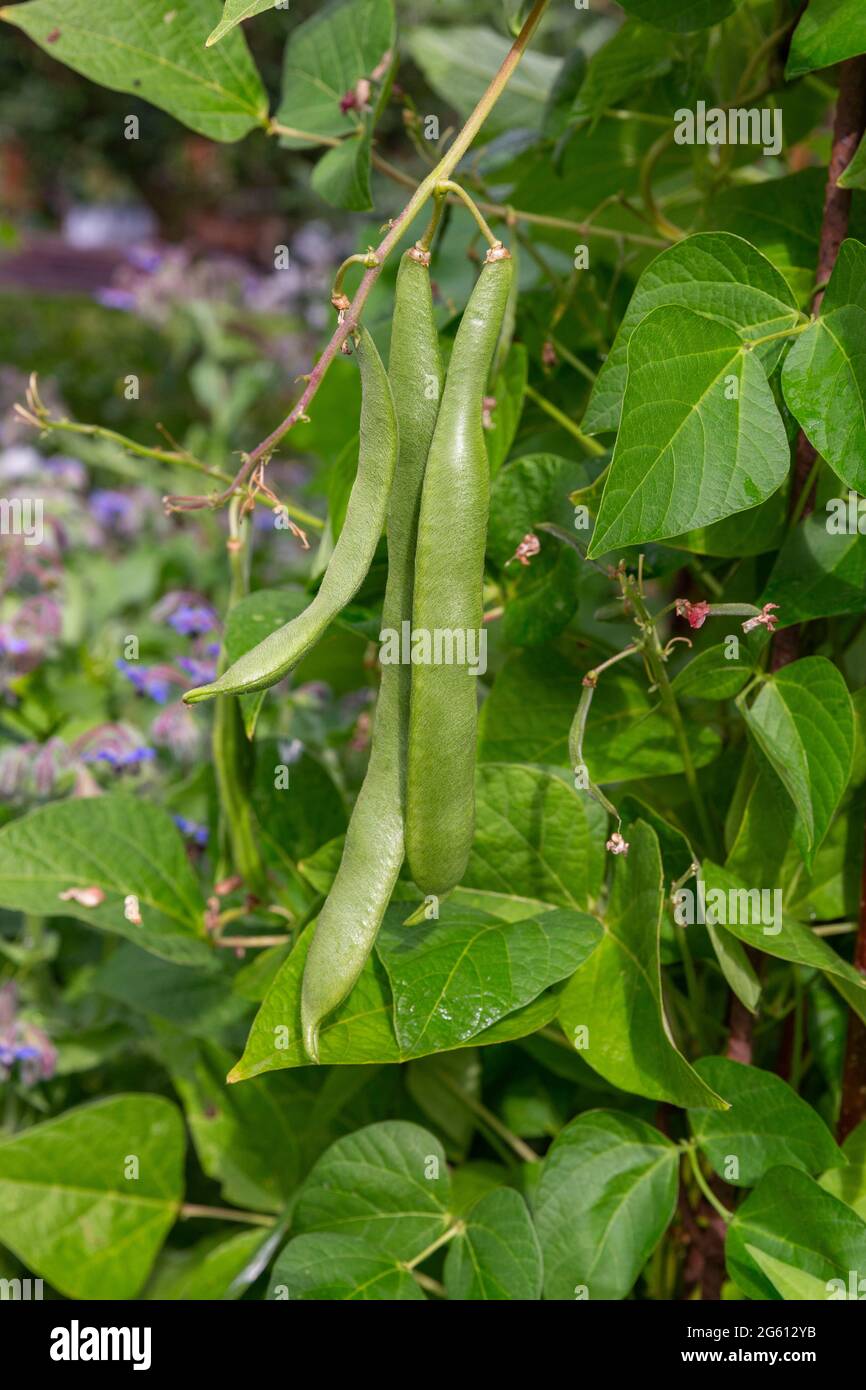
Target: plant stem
x,y
705,1186
591,446
452,1231
493,1122
189,1210
397,228
655,660
448,186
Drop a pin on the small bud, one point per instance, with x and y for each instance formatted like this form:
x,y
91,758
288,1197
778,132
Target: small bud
x,y
529,546
616,844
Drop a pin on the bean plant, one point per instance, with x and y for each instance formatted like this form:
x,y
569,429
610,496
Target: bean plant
x,y
480,914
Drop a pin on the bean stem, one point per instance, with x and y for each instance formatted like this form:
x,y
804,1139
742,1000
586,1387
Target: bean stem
x,y
190,1210
591,446
399,225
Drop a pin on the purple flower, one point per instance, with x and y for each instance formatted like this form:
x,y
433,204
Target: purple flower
x,y
121,760
144,258
178,730
191,620
199,672
23,1042
116,299
197,833
110,507
153,681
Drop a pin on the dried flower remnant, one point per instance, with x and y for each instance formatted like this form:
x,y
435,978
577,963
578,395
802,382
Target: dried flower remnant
x,y
85,897
616,844
766,618
131,909
529,546
488,405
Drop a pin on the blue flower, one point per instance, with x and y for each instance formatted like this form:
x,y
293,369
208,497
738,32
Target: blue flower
x,y
195,832
191,620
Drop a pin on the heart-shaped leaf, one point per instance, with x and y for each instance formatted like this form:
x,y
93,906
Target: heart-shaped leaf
x,y
607,1192
701,436
325,58
848,1183
387,1184
821,569
86,1200
612,1007
681,16
718,275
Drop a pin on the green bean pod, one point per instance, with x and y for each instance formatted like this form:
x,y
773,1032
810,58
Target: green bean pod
x,y
274,657
449,574
374,849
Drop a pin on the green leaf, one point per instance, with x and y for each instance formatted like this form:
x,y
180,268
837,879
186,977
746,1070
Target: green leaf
x,y
715,274
607,1192
204,1272
803,722
325,58
295,820
820,572
829,31
120,844
238,1131
713,675
250,621
788,1281
496,1255
687,454
156,50
200,1003
791,1218
824,376
617,995
334,1268
342,176
848,1183
681,16
86,1200
768,1125
387,1184
627,63
454,977
566,85
528,714
459,63
536,837
789,940
855,174
235,12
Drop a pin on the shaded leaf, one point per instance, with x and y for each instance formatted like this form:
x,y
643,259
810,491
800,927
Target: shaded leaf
x,y
459,63
819,573
681,16
617,995
828,32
